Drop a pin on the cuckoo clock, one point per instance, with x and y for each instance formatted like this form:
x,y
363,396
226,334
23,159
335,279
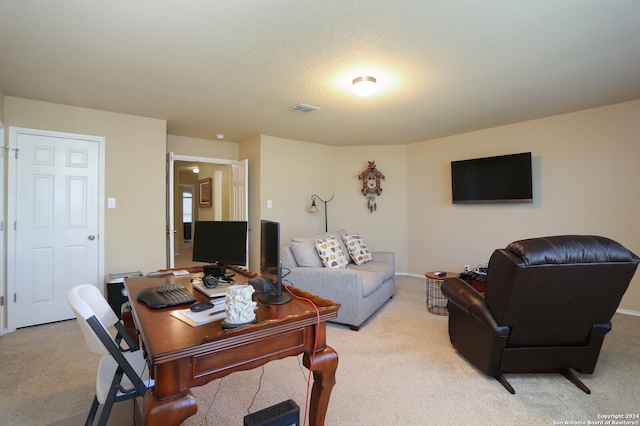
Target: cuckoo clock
x,y
371,184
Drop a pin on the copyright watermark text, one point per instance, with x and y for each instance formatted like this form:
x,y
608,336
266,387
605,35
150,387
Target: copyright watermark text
x,y
605,419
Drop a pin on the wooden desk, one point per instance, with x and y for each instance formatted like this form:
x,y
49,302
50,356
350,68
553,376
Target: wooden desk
x,y
181,356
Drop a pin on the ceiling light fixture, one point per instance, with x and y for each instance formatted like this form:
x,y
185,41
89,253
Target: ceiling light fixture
x,y
364,86
304,108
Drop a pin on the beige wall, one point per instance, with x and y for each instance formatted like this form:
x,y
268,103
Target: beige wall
x,y
586,177
290,172
135,168
195,147
208,170
250,150
386,228
585,181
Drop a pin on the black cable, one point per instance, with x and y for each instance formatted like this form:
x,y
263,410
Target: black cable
x,y
206,416
140,380
304,373
313,354
256,394
288,272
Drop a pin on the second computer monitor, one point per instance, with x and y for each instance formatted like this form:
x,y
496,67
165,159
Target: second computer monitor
x,y
270,265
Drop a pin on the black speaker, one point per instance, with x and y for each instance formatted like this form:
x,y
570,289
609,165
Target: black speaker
x,y
260,284
286,413
215,270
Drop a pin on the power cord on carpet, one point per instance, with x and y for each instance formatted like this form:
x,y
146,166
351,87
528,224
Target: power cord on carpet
x,y
313,354
258,391
206,416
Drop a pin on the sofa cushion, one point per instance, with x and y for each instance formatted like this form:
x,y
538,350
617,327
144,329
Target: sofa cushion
x,y
331,253
305,253
357,249
386,270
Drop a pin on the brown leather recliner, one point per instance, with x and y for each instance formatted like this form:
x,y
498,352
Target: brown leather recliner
x,y
547,307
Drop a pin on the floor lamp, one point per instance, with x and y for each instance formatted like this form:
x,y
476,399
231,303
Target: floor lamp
x,y
314,208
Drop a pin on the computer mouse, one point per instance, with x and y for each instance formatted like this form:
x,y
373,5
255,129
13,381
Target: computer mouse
x,y
200,306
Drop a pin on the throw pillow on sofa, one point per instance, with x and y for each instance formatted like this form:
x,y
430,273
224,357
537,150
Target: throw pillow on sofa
x,y
305,253
357,249
330,253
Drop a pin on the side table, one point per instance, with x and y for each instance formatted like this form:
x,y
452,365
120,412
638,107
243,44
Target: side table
x,y
436,302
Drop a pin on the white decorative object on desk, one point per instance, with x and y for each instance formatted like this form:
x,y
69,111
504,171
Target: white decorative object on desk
x,y
240,306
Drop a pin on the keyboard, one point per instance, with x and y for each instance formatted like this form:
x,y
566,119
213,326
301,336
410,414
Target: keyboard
x,y
166,295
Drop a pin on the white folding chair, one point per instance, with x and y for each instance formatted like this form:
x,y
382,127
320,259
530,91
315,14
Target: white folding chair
x,y
122,372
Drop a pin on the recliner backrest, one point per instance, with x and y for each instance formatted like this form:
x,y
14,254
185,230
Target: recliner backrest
x,y
550,291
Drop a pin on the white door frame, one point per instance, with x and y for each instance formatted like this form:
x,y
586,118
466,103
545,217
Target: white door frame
x,y
3,242
11,209
171,157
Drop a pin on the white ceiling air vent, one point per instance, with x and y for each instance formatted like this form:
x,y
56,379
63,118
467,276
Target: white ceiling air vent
x,y
306,109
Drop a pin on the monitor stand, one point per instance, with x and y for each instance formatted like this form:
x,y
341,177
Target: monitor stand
x,y
272,298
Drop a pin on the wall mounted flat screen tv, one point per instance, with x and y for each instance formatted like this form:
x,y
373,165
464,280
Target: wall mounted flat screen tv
x,y
499,179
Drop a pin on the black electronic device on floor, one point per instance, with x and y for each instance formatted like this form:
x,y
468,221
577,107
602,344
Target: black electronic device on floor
x,y
286,413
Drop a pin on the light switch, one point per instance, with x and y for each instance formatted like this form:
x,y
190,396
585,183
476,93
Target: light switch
x,y
269,204
111,203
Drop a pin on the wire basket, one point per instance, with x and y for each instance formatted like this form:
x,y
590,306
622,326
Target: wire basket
x,y
436,302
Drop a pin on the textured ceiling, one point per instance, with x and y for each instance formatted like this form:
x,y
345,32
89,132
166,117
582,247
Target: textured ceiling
x,y
237,67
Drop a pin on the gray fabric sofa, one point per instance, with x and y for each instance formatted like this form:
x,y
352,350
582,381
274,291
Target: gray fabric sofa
x,y
360,289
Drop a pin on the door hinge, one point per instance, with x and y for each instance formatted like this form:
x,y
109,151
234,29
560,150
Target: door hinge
x,y
15,297
1,300
8,148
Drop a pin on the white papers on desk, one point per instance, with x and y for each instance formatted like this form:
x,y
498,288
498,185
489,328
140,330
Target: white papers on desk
x,y
198,318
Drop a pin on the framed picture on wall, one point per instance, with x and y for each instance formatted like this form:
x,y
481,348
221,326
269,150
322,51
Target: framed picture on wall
x,y
204,192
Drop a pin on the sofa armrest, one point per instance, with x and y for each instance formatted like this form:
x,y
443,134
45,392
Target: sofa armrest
x,y
473,303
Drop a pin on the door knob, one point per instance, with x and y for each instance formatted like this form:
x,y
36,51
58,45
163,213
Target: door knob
x,y
92,237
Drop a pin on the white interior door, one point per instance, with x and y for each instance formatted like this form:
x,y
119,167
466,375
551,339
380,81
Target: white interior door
x,y
171,230
55,213
239,193
3,283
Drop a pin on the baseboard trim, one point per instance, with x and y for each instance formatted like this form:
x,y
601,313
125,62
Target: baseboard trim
x,y
618,311
410,275
628,312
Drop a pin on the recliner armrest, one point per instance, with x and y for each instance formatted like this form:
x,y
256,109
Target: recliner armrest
x,y
469,300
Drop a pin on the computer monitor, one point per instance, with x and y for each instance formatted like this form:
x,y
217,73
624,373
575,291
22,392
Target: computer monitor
x,y
220,242
270,265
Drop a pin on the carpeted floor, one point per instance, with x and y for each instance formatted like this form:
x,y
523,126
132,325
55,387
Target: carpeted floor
x,y
398,369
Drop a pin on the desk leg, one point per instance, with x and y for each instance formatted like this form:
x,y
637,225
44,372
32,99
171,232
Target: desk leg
x,y
172,411
324,377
